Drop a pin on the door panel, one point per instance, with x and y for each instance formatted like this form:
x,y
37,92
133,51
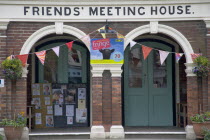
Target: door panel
x,y
152,103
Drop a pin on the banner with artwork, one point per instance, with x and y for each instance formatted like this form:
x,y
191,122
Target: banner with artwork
x,y
107,51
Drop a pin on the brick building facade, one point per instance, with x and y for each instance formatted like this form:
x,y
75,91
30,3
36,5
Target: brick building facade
x,y
187,33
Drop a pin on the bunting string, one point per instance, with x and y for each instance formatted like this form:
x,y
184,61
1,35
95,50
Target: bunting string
x,y
86,39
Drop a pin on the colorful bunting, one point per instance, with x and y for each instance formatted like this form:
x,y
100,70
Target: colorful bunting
x,y
103,34
86,40
195,55
56,50
23,58
178,56
163,56
132,43
10,57
146,51
70,45
41,55
120,35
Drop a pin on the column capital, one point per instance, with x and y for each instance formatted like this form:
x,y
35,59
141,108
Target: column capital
x,y
207,23
115,69
3,25
25,71
189,67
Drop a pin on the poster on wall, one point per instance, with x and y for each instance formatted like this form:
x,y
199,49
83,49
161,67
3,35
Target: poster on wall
x,y
57,96
49,121
47,100
69,120
36,102
81,104
46,89
35,89
38,117
70,95
107,51
82,93
58,110
49,110
81,115
69,110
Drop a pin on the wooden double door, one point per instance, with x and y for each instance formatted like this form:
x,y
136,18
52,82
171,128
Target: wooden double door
x,y
148,87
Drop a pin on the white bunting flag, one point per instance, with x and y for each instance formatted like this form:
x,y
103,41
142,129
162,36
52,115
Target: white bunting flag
x,y
178,56
86,40
132,43
56,50
163,56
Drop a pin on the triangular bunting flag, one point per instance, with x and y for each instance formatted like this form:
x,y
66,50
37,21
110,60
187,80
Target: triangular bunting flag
x,y
132,43
163,56
103,35
70,45
86,40
120,35
56,50
178,56
23,58
41,55
195,55
146,51
102,28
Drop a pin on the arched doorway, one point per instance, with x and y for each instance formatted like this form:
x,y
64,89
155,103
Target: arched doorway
x,y
67,75
149,94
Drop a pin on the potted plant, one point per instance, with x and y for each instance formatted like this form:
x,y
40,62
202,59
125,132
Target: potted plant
x,y
13,128
202,68
200,121
12,68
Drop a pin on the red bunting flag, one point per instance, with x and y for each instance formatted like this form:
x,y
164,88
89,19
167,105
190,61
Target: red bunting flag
x,y
23,58
195,55
41,55
70,44
146,51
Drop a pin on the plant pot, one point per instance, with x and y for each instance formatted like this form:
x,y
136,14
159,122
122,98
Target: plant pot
x,y
198,128
13,133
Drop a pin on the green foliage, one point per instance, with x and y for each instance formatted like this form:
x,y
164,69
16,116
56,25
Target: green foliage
x,y
1,137
12,68
199,118
19,121
206,133
202,68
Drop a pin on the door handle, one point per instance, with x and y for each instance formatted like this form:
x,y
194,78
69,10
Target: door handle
x,y
145,75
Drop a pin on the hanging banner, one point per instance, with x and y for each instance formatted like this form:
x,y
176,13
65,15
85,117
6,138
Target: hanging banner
x,y
107,51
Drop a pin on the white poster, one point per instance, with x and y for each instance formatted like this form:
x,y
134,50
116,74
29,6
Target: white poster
x,y
69,110
38,117
46,89
35,89
82,93
47,100
58,110
36,102
49,110
69,120
49,121
81,115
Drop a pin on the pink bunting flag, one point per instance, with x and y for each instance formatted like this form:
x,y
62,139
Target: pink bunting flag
x,y
178,56
70,45
163,56
195,55
86,40
41,55
146,51
132,43
23,58
56,50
